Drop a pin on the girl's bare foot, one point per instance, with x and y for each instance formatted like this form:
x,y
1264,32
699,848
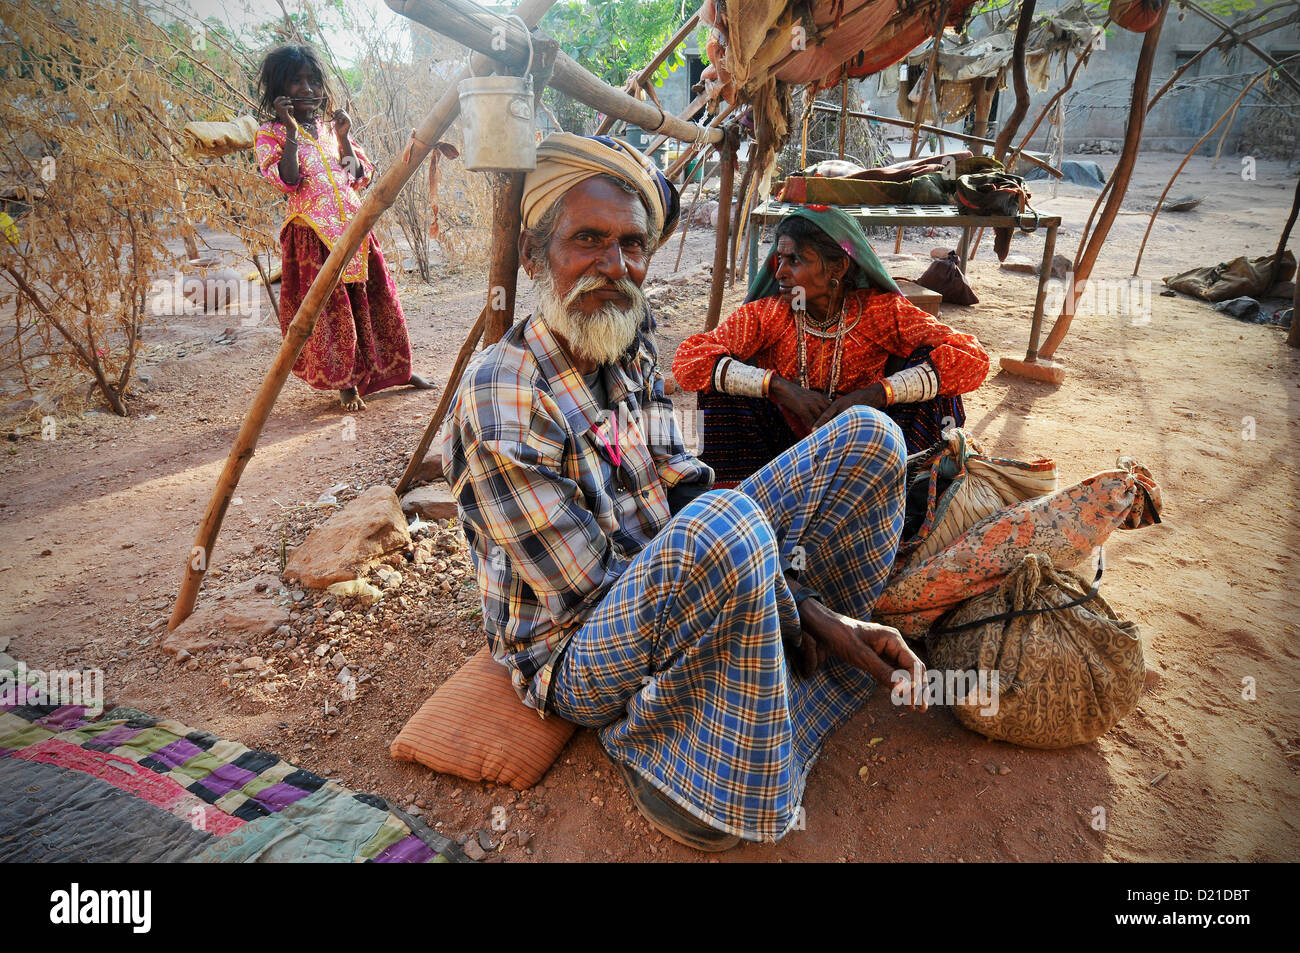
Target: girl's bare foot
x,y
350,400
419,383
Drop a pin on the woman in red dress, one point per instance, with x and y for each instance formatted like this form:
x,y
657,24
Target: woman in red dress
x,y
823,328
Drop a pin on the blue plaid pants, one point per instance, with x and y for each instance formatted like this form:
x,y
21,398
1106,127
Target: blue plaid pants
x,y
681,666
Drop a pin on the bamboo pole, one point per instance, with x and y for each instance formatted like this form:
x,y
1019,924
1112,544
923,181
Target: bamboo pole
x,y
1293,336
1120,179
950,133
727,151
444,403
379,198
1083,58
469,24
1283,73
686,223
689,114
1281,244
1231,110
844,112
671,172
932,76
650,68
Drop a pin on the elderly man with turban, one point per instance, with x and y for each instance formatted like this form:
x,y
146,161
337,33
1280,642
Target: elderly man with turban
x,y
620,591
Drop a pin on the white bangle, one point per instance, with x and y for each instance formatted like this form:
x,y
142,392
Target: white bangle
x,y
914,385
740,380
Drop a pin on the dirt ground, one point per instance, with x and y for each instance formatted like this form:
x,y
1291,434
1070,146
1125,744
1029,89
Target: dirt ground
x,y
1203,769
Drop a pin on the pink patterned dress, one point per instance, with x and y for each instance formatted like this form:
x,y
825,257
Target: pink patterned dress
x,y
360,338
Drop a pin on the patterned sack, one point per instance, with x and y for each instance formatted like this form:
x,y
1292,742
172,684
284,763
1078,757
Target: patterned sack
x,y
1067,667
980,486
1066,526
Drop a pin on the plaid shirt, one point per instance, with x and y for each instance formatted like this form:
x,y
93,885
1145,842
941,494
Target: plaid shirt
x,y
557,496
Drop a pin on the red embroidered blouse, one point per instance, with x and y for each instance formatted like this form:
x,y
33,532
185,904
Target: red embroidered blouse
x,y
763,333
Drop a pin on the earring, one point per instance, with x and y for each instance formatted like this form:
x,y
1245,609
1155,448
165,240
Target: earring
x,y
835,282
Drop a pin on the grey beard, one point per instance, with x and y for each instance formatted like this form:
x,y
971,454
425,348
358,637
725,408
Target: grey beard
x,y
601,337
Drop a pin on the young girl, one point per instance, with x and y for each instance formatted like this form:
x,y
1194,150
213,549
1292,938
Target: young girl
x,y
359,344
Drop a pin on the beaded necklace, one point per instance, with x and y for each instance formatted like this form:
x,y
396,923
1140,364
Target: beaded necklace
x,y
820,331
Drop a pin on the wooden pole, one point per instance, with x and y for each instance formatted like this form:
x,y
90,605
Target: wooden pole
x,y
379,198
503,274
950,133
728,153
444,402
844,112
695,147
932,76
1119,179
469,24
1293,336
1231,110
1018,80
652,67
1283,73
1056,98
690,216
689,114
740,227
1281,243
983,105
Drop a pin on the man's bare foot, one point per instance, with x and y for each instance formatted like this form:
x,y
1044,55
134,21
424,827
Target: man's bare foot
x,y
419,383
350,400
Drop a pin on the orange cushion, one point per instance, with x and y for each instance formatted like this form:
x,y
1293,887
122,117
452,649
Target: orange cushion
x,y
475,727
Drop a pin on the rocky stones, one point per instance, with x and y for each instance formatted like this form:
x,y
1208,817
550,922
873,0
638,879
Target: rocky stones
x,y
357,589
351,541
1021,264
430,469
433,502
231,619
473,850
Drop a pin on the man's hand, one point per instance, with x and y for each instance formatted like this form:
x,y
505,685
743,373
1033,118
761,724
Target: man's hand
x,y
872,396
878,650
804,405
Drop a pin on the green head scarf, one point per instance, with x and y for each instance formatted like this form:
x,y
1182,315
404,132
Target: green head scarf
x,y
846,233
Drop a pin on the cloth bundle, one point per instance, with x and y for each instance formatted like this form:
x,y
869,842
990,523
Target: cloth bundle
x,y
1248,277
1067,667
1065,526
945,276
216,139
994,193
975,487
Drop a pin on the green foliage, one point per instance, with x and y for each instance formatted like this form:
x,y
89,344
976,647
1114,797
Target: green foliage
x,y
613,39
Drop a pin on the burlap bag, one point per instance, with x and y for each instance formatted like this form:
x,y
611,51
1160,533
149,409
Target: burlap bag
x,y
1064,676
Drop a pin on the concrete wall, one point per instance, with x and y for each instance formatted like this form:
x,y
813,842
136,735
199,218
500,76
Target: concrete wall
x,y
1097,105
